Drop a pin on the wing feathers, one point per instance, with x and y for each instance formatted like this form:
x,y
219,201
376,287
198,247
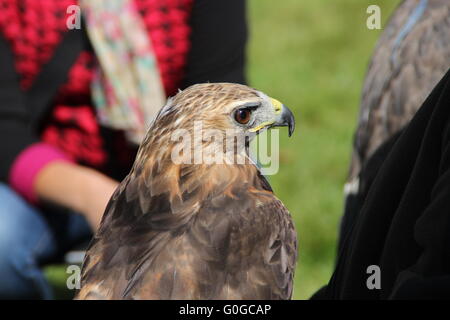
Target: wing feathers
x,y
221,243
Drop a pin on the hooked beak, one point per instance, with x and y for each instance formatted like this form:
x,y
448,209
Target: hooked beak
x,y
285,117
286,120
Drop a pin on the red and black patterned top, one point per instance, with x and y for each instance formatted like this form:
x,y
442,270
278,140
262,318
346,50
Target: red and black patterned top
x,y
194,41
35,28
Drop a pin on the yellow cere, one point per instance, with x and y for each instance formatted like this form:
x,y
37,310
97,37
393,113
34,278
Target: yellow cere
x,y
262,125
277,105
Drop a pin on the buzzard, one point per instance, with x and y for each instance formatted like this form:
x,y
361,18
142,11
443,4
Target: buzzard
x,y
179,228
411,56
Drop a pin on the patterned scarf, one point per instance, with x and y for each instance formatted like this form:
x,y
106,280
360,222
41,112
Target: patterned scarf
x,y
127,89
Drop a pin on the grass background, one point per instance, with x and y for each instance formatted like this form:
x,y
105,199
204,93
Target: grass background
x,y
312,56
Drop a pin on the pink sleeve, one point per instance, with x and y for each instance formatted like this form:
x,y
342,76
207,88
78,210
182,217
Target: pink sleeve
x,y
28,164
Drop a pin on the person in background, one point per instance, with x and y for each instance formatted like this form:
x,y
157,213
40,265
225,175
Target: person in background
x,y
59,163
411,56
394,237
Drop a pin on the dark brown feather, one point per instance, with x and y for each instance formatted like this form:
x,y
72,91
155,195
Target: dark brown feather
x,y
238,245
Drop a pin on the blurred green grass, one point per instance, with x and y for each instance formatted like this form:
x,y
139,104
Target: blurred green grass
x,y
312,56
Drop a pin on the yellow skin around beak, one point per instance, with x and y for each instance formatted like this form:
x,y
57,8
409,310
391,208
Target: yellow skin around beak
x,y
278,106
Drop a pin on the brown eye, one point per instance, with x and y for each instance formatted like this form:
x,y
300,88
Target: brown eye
x,y
242,116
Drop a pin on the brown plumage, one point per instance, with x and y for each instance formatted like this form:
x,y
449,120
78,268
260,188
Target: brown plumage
x,y
196,231
412,55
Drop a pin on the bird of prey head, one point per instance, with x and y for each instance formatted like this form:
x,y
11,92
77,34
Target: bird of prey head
x,y
196,229
227,116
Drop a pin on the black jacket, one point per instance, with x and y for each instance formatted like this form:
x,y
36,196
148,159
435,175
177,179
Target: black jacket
x,y
403,226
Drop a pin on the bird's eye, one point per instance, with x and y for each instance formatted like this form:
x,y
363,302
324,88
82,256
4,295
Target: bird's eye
x,y
242,116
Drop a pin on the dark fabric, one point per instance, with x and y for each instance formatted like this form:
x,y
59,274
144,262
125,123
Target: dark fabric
x,y
54,74
354,202
14,132
219,36
20,111
404,224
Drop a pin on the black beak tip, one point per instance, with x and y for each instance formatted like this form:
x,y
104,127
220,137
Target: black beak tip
x,y
289,120
291,129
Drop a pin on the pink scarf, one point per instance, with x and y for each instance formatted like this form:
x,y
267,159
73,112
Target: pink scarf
x,y
127,90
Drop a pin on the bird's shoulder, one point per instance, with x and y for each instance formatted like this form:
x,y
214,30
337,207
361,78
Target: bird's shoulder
x,y
153,246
